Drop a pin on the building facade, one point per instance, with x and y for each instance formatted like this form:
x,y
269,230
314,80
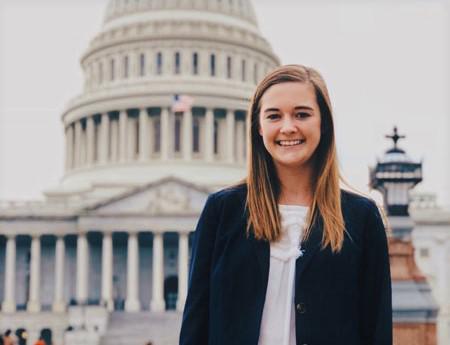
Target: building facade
x,y
431,237
159,125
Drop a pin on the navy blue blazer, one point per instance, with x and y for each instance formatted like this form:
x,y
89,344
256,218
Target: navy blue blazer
x,y
342,298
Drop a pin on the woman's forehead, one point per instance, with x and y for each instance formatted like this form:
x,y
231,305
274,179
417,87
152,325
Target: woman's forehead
x,y
289,94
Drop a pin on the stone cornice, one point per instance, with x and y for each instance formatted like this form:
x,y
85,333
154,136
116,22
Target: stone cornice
x,y
215,94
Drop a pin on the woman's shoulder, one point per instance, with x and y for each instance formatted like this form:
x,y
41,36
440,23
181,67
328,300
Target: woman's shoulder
x,y
358,203
234,193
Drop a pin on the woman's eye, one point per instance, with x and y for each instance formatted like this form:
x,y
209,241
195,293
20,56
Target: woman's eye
x,y
273,116
303,115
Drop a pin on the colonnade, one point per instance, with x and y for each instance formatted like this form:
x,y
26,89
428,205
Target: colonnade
x,y
149,134
132,303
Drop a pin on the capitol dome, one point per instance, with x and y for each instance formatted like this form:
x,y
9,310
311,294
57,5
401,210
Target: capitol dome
x,y
123,128
240,9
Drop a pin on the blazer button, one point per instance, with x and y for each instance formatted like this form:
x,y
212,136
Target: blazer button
x,y
301,308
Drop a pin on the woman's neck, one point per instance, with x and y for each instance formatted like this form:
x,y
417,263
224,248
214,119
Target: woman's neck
x,y
295,186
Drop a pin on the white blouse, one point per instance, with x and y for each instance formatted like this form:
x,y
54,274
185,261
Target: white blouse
x,y
278,318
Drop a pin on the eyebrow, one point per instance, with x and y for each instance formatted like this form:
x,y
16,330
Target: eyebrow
x,y
299,107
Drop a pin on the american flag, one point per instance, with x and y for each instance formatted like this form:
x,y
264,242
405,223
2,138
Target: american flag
x,y
181,103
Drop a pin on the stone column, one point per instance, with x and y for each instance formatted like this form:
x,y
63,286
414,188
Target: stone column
x,y
78,136
183,267
107,271
144,144
58,302
82,269
230,142
132,302
104,138
123,126
209,135
187,135
158,303
83,147
90,140
69,147
165,133
240,141
114,141
34,303
9,303
131,138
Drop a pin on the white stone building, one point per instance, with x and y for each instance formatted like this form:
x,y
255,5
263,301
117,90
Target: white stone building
x,y
431,237
114,235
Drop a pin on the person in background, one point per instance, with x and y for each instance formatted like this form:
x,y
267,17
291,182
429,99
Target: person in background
x,y
8,338
40,341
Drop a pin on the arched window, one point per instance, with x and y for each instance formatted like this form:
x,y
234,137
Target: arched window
x,y
112,69
229,67
159,63
125,66
142,64
244,70
196,134
195,63
212,65
177,63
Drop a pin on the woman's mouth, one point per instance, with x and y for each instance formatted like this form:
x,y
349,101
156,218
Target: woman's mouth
x,y
290,142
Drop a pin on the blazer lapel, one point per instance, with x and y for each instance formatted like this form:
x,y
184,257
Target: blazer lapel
x,y
309,248
262,252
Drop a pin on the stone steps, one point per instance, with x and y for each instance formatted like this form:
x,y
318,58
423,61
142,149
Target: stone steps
x,y
125,328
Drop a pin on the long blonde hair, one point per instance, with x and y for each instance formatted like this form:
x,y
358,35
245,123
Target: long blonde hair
x,y
263,186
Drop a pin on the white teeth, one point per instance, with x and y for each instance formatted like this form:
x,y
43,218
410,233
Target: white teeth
x,y
290,142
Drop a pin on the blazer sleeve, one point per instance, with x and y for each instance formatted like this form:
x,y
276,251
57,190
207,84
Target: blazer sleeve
x,y
376,294
194,327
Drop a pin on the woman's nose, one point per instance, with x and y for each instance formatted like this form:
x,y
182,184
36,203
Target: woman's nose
x,y
287,126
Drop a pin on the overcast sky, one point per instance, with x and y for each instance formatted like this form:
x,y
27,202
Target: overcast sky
x,y
386,64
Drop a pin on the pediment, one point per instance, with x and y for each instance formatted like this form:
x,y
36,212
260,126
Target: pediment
x,y
170,196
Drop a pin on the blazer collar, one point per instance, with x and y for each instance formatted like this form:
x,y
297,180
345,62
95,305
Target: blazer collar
x,y
309,248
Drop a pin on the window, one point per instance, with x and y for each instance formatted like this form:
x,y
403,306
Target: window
x,y
177,63
195,63
255,73
178,132
159,63
244,70
125,67
212,65
229,67
112,68
157,134
196,134
142,65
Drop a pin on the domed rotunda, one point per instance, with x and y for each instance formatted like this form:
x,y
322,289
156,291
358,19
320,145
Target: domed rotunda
x,y
126,126
159,125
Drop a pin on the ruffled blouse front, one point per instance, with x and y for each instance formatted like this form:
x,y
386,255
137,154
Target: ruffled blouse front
x,y
278,319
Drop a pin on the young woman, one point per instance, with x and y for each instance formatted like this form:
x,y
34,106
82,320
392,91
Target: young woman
x,y
287,257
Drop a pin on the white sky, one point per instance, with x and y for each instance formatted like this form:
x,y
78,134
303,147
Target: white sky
x,y
385,63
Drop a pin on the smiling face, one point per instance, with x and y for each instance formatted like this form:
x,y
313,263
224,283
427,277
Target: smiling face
x,y
289,123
